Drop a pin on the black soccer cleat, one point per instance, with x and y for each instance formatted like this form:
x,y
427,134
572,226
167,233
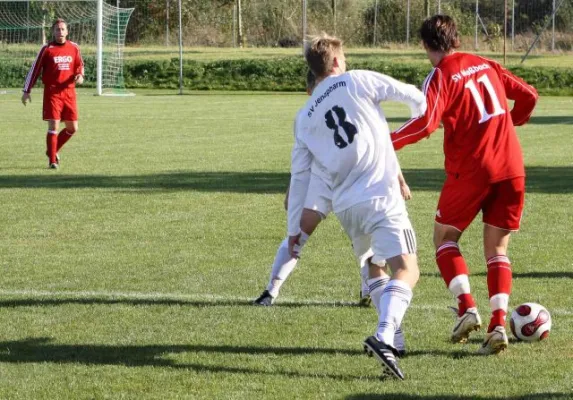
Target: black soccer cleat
x,y
265,299
365,300
386,355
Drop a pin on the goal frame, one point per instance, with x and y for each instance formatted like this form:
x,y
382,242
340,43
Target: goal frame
x,y
99,45
99,48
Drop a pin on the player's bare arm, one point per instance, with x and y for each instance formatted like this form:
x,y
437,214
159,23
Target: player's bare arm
x,y
404,188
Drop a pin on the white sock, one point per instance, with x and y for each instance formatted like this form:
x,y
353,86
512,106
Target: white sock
x,y
364,280
283,265
394,302
459,285
399,341
376,287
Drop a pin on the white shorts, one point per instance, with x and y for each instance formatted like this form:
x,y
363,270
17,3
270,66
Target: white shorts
x,y
318,196
381,224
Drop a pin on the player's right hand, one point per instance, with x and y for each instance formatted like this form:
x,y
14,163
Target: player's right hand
x,y
405,191
294,246
26,97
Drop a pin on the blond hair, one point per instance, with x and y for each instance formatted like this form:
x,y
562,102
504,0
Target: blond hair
x,y
320,52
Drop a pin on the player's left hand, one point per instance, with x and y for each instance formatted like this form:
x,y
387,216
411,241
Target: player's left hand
x,y
294,246
285,202
26,98
79,79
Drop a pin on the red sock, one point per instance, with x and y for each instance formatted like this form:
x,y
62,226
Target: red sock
x,y
499,278
51,144
451,264
63,137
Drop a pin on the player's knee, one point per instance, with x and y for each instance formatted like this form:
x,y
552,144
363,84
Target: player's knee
x,y
441,237
413,271
71,130
310,220
405,267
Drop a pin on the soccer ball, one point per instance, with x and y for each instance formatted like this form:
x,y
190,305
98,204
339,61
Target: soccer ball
x,y
530,322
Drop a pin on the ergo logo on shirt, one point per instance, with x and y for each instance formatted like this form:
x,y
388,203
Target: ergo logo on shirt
x,y
63,59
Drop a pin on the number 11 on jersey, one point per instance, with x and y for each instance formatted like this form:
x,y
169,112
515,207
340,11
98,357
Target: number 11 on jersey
x,y
497,108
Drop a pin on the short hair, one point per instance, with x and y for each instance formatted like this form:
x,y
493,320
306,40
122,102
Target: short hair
x,y
310,80
59,21
320,51
439,33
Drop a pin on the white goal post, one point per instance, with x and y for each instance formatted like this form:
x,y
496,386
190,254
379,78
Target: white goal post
x,y
97,26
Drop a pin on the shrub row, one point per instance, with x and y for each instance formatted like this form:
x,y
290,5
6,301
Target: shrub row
x,y
277,74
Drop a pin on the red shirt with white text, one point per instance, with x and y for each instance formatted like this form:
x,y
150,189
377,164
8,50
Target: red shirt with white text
x,y
58,63
469,95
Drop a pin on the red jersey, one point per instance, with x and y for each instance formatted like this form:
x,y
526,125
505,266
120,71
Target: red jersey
x,y
59,63
468,94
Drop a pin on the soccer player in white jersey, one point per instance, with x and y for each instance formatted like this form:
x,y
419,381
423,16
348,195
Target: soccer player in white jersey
x,y
318,206
317,209
342,130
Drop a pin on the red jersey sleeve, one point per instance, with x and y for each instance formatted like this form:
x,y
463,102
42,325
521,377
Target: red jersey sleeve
x,y
421,127
79,64
35,70
525,96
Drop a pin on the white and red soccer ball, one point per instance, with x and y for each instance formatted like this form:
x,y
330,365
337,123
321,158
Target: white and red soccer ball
x,y
530,322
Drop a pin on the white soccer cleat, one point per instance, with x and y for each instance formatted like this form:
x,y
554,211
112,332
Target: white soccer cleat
x,y
495,342
470,321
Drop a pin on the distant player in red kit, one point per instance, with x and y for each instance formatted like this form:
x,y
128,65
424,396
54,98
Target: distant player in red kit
x,y
61,66
484,168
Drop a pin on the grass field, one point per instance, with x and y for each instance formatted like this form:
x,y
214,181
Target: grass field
x,y
129,272
411,55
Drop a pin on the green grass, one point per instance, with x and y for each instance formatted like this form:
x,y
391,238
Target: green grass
x,y
398,55
128,272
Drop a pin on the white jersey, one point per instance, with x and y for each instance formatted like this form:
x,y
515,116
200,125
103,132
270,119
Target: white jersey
x,y
342,131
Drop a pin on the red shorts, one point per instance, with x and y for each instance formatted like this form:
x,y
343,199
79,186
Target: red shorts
x,y
60,105
501,203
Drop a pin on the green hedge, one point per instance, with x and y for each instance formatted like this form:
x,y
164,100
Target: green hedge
x,y
277,74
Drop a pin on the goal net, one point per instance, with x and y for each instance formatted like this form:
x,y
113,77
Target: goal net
x,y
25,25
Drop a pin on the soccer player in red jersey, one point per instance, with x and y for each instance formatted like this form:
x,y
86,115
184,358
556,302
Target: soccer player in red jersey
x,y
484,168
62,67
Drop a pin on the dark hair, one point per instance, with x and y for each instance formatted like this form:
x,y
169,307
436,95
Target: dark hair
x,y
439,33
59,21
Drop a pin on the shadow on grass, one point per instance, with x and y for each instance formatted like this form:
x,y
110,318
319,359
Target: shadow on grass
x,y
94,300
539,180
220,92
532,275
552,120
34,350
41,350
544,274
404,396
